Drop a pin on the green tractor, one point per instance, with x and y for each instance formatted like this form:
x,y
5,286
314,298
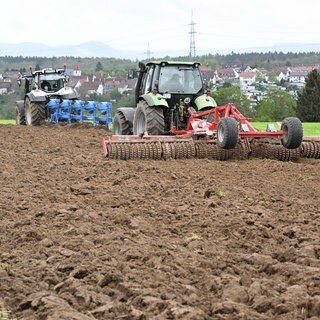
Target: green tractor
x,y
164,91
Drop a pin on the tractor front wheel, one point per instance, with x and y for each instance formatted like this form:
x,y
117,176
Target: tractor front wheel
x,y
20,116
122,125
227,133
293,132
148,119
35,112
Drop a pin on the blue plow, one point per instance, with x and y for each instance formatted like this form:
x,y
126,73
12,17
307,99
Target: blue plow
x,y
80,111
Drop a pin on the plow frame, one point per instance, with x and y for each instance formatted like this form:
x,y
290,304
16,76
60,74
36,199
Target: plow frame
x,y
227,129
196,124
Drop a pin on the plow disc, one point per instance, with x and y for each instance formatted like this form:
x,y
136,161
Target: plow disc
x,y
274,151
310,148
155,147
164,148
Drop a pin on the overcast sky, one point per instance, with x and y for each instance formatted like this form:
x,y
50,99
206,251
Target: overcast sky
x,y
163,24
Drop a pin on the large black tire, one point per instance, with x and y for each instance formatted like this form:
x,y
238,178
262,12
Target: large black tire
x,y
35,112
122,125
293,133
227,133
148,119
209,117
20,116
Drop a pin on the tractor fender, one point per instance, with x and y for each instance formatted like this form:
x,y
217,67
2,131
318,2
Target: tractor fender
x,y
66,93
20,105
155,100
128,113
37,96
205,101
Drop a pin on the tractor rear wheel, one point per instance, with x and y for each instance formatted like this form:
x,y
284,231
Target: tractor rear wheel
x,y
20,116
227,133
35,112
210,116
293,133
122,125
148,119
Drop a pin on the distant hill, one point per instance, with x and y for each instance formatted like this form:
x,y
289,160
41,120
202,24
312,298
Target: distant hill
x,y
86,49
284,47
99,49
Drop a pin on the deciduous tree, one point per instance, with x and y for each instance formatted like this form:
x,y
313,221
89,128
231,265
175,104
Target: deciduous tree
x,y
308,104
234,95
275,106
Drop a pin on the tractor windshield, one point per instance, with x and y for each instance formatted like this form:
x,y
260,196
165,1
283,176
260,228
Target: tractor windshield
x,y
177,79
51,82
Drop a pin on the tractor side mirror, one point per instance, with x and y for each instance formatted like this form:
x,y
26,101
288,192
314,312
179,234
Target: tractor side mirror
x,y
142,66
133,74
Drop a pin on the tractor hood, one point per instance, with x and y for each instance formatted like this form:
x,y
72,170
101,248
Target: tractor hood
x,y
63,93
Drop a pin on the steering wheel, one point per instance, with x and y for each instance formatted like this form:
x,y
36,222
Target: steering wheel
x,y
45,85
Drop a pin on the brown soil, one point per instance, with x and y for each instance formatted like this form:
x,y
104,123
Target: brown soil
x,y
87,238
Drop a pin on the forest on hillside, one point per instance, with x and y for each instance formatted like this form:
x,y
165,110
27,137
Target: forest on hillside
x,y
121,66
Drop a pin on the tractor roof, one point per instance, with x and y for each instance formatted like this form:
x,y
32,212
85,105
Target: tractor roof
x,y
183,63
48,71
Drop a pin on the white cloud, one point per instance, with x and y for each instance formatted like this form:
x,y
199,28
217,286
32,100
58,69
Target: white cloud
x,y
131,25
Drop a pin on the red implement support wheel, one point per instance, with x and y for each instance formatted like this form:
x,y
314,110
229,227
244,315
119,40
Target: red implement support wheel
x,y
293,133
227,133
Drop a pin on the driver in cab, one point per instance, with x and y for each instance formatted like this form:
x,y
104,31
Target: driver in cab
x,y
173,84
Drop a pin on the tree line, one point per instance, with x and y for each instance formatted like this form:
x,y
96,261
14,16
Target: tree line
x,y
88,64
276,104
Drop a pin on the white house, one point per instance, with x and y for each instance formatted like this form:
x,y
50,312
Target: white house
x,y
298,76
247,77
76,71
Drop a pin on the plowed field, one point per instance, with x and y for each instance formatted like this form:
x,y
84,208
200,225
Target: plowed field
x,y
82,237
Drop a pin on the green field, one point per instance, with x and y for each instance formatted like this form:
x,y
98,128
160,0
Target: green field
x,y
7,122
309,129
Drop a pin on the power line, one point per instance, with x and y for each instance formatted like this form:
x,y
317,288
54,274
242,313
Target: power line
x,y
148,52
192,52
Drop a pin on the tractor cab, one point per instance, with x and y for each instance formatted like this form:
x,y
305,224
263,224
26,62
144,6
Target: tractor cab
x,y
51,82
180,80
176,81
48,80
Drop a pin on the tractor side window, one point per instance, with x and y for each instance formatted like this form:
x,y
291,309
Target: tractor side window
x,y
148,80
196,80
